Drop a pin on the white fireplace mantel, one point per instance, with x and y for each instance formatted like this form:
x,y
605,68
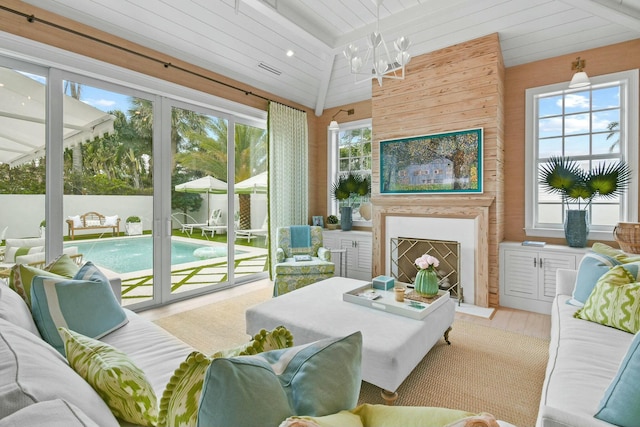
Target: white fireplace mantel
x,y
465,207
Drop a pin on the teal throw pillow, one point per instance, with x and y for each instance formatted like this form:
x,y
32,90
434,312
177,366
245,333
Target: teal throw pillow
x,y
85,304
315,379
619,405
592,266
179,403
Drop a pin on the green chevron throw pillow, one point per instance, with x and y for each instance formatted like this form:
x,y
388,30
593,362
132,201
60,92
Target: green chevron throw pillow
x,y
613,304
622,274
122,385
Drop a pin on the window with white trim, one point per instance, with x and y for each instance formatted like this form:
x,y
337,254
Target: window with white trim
x,y
590,125
350,151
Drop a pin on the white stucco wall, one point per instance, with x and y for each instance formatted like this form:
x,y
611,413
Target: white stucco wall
x,y
23,213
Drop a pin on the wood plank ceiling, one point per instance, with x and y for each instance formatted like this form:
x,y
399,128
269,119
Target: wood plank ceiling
x,y
233,37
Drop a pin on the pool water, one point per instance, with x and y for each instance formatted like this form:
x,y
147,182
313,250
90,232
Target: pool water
x,y
125,255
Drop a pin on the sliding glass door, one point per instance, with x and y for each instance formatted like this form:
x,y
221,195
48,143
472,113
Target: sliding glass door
x,y
23,89
167,195
217,228
109,182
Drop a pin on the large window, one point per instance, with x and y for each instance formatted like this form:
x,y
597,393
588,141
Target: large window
x,y
592,125
350,151
127,150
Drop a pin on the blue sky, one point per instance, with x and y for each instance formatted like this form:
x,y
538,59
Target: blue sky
x,y
98,98
105,100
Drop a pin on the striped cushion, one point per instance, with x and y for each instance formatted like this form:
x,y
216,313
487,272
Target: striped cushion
x,y
85,304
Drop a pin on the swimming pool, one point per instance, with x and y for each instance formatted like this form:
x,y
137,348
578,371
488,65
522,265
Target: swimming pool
x,y
124,255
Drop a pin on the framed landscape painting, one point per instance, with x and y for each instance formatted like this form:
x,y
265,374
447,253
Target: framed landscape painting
x,y
439,163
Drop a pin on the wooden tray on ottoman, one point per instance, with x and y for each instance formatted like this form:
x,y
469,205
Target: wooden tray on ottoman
x,y
386,301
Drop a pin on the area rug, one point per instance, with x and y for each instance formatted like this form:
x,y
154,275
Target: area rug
x,y
216,326
484,369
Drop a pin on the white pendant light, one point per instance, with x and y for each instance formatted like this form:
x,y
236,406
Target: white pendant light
x,y
580,78
378,63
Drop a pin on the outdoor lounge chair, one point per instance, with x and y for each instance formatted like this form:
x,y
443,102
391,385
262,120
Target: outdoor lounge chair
x,y
252,233
215,224
185,227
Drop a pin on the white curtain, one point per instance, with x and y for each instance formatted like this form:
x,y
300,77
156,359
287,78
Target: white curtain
x,y
288,168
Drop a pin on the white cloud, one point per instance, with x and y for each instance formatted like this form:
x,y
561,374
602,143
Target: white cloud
x,y
573,101
104,103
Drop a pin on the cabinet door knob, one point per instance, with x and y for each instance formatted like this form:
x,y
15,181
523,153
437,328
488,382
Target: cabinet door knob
x,y
535,262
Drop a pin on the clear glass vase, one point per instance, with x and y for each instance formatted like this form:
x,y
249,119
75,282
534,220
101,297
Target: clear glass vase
x,y
426,283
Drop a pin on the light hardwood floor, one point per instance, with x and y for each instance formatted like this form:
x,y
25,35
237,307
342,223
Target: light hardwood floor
x,y
509,319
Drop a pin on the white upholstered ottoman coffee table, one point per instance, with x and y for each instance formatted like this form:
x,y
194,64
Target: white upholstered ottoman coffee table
x,y
392,344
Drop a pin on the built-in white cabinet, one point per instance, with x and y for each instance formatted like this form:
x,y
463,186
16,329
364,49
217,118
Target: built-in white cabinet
x,y
356,249
528,274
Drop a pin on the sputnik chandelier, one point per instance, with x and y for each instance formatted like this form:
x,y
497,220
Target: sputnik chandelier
x,y
382,64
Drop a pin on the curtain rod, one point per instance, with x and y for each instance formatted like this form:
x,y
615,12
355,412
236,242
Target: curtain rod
x,y
32,18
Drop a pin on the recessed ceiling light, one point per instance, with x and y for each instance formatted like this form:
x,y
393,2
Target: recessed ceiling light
x,y
290,53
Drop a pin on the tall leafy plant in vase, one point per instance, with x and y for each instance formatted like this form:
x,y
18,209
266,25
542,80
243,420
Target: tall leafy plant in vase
x,y
346,190
564,176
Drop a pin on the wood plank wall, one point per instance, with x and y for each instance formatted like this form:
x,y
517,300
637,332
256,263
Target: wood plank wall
x,y
459,87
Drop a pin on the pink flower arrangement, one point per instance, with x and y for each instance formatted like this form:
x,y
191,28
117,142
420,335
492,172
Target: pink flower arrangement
x,y
427,262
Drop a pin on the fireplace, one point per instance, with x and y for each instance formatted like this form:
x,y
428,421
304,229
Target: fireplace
x,y
405,250
465,220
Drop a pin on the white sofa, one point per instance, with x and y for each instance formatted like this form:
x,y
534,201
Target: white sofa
x,y
39,388
584,357
33,374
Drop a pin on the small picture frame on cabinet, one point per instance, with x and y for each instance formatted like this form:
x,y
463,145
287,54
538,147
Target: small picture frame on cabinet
x,y
318,220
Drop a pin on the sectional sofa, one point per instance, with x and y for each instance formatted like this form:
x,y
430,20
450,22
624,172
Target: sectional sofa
x,y
313,383
593,373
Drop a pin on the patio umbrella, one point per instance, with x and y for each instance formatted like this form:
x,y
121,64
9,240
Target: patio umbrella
x,y
255,184
206,184
22,119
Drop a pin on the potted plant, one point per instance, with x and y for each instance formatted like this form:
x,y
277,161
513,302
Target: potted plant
x,y
133,226
562,175
332,222
346,189
43,226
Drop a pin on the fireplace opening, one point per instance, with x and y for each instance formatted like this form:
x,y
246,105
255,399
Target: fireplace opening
x,y
405,250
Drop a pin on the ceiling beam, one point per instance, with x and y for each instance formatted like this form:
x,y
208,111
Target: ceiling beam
x,y
610,12
323,87
284,23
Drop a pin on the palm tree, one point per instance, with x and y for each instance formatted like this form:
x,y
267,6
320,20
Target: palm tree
x,y
612,127
251,159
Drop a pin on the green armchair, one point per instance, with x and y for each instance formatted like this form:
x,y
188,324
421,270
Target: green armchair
x,y
295,241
